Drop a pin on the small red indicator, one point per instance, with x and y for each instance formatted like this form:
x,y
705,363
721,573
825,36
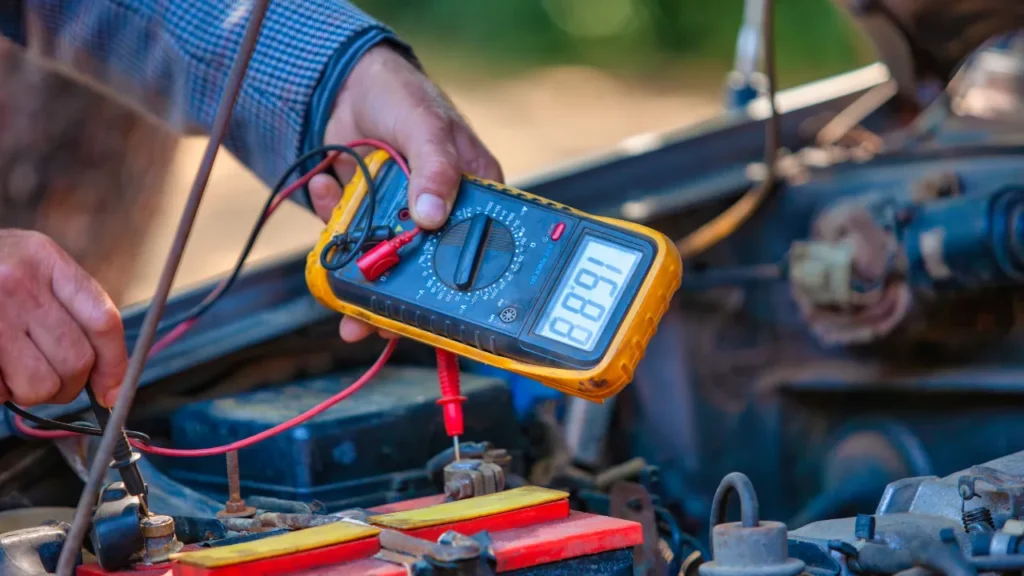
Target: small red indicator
x,y
557,232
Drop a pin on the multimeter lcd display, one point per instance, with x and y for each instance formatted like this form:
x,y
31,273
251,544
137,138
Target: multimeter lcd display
x,y
588,293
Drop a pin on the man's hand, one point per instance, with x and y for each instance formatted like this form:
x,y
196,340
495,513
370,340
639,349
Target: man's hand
x,y
58,328
386,98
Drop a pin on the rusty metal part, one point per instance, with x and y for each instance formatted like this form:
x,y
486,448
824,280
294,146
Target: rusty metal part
x,y
631,501
243,524
401,548
147,333
161,542
295,521
750,546
498,456
850,247
276,520
235,506
454,554
471,478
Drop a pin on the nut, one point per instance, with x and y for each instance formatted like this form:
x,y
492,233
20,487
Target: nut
x,y
161,542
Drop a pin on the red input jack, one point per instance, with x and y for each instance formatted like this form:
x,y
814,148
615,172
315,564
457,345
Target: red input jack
x,y
384,256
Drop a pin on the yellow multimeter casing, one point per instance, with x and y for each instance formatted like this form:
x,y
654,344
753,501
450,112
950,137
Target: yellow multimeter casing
x,y
610,368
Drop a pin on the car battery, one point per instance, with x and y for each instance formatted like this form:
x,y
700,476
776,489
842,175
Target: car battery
x,y
528,531
366,450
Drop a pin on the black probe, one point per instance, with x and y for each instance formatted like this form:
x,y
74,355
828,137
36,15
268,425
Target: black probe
x,y
125,460
110,441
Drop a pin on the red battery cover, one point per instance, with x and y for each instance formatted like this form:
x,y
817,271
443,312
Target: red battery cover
x,y
548,542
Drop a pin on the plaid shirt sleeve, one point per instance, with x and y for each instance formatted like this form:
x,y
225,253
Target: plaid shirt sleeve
x,y
172,57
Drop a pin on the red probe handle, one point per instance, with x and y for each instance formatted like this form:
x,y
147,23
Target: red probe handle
x,y
384,256
451,397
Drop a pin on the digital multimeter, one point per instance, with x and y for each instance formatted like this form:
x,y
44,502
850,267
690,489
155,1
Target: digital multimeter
x,y
512,280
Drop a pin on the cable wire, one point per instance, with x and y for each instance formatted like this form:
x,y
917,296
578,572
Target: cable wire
x,y
282,427
114,431
53,429
141,441
726,223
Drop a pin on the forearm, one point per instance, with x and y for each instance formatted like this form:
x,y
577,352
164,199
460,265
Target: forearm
x,y
172,58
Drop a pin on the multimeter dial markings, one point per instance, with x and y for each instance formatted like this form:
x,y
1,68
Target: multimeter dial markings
x,y
475,256
474,253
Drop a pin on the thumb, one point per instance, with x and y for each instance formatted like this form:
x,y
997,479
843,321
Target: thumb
x,y
429,145
325,193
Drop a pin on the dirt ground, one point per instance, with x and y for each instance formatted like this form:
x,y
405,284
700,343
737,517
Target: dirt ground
x,y
532,123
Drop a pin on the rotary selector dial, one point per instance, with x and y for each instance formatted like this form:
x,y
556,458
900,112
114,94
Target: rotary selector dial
x,y
474,253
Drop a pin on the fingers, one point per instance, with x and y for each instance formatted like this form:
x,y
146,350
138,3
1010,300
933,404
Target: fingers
x,y
28,376
353,330
100,322
475,158
56,335
325,192
428,141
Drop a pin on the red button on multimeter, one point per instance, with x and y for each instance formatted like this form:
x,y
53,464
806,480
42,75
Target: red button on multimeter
x,y
512,280
557,232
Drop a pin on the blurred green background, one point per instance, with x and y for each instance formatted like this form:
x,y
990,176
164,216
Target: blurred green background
x,y
634,37
544,83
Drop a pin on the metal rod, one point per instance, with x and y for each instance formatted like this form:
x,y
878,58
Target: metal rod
x,y
83,514
234,482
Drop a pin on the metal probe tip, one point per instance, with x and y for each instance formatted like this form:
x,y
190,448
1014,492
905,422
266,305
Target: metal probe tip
x,y
457,455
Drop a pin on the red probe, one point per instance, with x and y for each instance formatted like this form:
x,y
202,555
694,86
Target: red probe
x,y
373,265
451,397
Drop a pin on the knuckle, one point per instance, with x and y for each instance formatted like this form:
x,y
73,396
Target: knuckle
x,y
81,360
37,390
105,320
443,175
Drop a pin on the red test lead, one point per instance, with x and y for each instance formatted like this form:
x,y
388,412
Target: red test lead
x,y
384,256
451,397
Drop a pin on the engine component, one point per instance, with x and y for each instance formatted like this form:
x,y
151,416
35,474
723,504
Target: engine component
x,y
470,478
32,551
116,537
631,501
964,523
158,532
855,279
368,451
235,507
453,555
750,546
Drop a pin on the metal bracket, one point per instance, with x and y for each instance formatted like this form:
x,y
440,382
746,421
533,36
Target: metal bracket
x,y
1001,483
453,554
472,478
631,501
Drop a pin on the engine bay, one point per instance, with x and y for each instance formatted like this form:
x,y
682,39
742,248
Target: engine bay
x,y
844,360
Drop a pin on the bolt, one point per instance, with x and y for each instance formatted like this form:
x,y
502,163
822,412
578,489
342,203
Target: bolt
x,y
864,527
235,506
458,488
844,548
498,456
